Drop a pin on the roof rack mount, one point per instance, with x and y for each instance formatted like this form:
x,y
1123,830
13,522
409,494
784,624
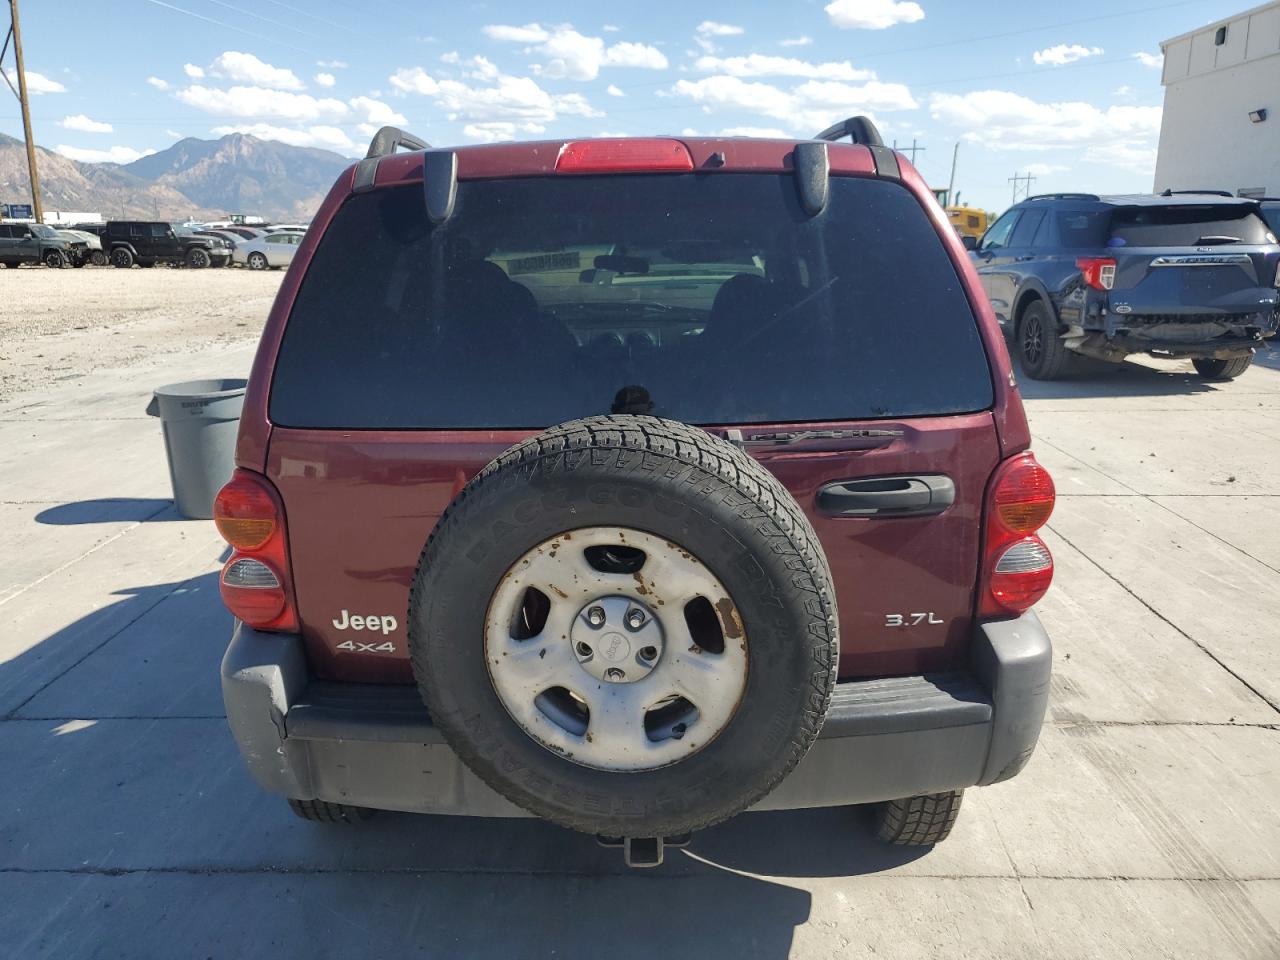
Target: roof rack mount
x,y
1065,196
857,129
389,139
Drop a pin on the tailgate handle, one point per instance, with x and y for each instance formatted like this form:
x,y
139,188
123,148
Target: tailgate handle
x,y
921,496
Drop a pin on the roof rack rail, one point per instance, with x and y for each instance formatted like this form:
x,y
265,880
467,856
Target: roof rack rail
x,y
1212,193
387,140
857,129
1065,196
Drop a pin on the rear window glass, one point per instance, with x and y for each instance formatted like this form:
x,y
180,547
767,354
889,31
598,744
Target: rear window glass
x,y
1271,213
707,299
1079,229
1187,226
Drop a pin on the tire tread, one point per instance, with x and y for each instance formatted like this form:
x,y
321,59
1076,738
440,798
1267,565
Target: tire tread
x,y
920,820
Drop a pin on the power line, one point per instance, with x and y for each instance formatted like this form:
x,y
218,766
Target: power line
x,y
258,16
229,26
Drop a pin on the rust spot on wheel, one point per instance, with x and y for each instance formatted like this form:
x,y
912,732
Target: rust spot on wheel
x,y
560,593
729,621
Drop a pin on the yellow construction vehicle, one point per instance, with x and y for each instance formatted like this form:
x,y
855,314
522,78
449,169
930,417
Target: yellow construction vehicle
x,y
968,221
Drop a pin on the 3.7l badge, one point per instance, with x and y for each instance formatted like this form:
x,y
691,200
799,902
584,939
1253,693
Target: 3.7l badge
x,y
911,619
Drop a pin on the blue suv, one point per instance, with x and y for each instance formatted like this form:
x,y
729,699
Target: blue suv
x,y
1175,275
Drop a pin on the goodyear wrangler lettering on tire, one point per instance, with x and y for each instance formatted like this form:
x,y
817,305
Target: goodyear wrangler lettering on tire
x,y
627,626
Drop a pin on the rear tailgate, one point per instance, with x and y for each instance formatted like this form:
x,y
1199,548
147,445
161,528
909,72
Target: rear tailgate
x,y
361,507
1204,260
837,348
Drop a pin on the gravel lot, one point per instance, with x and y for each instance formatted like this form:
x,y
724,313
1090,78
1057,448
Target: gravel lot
x,y
61,324
1145,826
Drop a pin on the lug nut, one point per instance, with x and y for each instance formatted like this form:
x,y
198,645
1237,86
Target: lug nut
x,y
584,650
596,616
635,619
648,653
613,673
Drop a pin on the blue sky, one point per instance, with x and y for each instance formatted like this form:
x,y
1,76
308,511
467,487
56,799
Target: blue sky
x,y
1068,92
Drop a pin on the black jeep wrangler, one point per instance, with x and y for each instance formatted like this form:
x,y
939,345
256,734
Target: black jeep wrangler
x,y
148,242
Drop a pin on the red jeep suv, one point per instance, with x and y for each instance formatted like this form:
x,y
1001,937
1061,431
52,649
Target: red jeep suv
x,y
558,460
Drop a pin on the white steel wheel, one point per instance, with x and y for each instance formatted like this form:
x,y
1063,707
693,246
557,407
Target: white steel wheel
x,y
616,649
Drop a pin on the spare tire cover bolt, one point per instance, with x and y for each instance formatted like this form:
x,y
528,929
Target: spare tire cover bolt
x,y
613,673
635,619
596,617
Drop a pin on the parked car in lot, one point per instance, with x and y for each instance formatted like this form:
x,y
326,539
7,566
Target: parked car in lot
x,y
1179,275
513,534
33,243
148,242
268,251
86,247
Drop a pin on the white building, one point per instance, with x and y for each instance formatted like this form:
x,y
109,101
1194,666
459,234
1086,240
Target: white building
x,y
1221,125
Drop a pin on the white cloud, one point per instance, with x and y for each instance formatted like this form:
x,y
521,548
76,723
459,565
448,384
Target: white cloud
x,y
413,80
332,64
709,28
610,28
110,155
613,91
529,33
768,132
246,68
1000,120
572,55
499,130
502,98
802,41
326,79
872,14
192,71
1122,91
1064,53
477,68
173,135
37,83
1134,157
1044,169
810,105
376,112
158,83
84,124
639,55
762,65
1149,59
329,138
260,103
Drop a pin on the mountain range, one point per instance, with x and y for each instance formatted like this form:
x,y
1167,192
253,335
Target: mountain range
x,y
193,178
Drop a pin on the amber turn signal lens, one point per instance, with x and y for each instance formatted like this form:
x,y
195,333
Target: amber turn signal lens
x,y
1024,517
244,533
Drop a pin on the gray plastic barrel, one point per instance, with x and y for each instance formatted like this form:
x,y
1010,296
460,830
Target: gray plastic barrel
x,y
199,420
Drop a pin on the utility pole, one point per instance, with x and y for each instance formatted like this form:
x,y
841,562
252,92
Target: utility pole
x,y
15,34
913,148
1027,180
951,184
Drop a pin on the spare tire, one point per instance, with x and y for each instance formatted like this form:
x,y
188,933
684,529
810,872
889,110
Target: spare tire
x,y
626,626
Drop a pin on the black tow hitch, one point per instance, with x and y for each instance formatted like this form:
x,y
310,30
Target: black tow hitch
x,y
644,851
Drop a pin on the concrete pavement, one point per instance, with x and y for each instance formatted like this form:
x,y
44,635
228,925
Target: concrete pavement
x,y
1146,825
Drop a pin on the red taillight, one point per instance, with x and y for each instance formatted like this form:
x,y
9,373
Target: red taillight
x,y
255,581
624,156
1017,566
1098,272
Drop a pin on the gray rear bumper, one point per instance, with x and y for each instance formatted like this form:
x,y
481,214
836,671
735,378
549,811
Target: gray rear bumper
x,y
375,746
